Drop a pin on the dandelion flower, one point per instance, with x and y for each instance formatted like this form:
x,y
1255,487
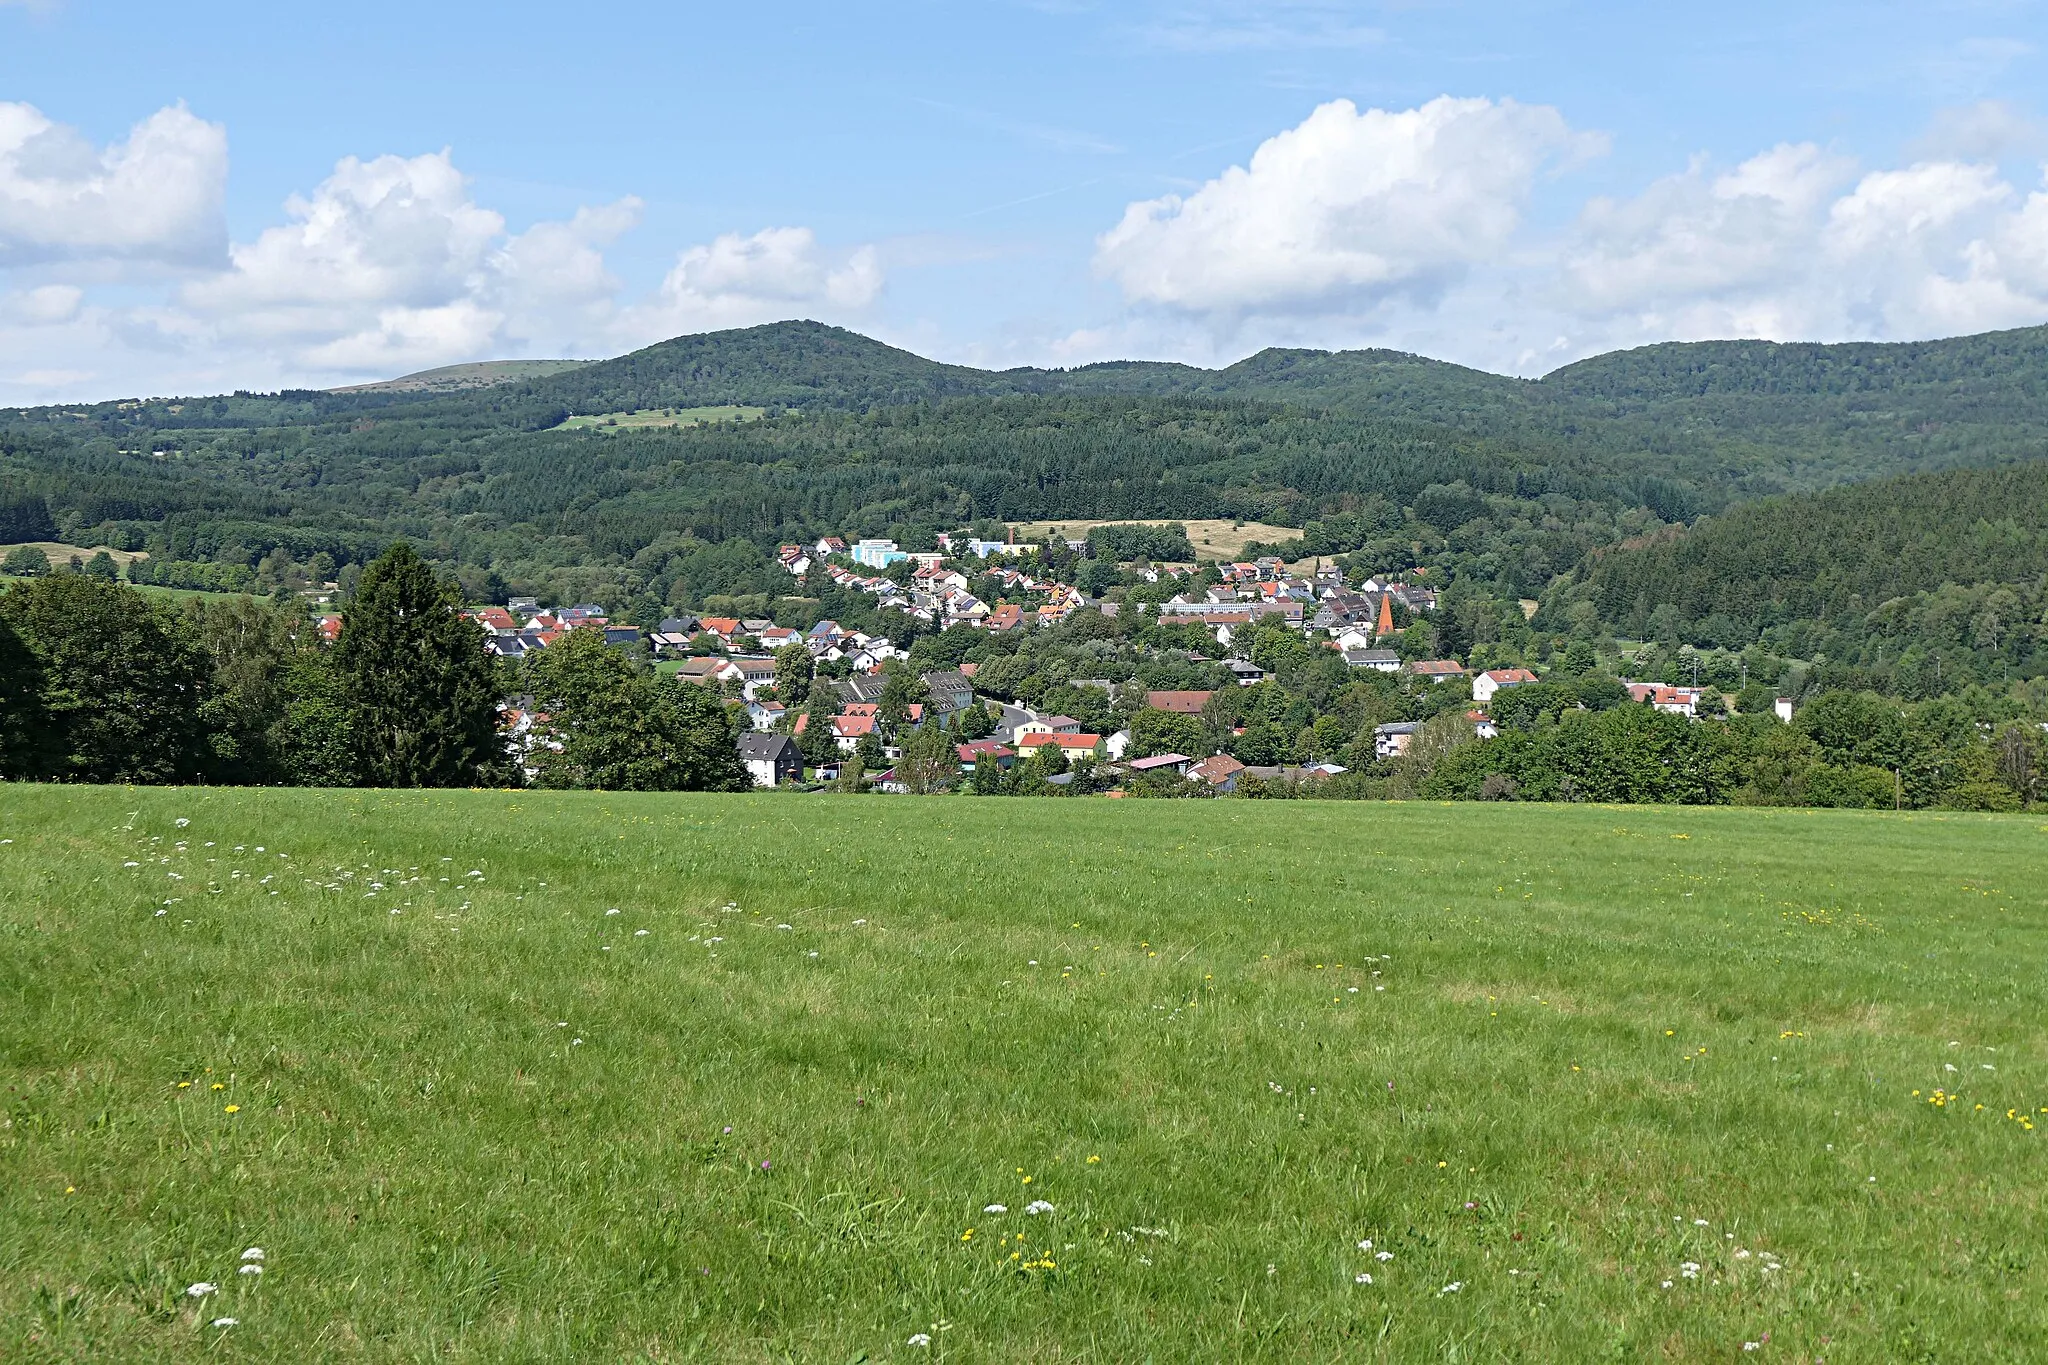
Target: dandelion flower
x,y
232,1109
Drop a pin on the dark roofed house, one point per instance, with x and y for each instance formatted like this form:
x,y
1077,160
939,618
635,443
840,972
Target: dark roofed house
x,y
771,759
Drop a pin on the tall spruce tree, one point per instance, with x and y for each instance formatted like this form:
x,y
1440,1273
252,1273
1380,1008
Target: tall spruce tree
x,y
420,688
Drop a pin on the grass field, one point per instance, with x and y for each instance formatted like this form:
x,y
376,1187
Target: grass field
x,y
660,417
510,1076
1212,539
60,554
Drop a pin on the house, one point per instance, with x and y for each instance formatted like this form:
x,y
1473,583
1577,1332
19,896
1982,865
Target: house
x,y
1117,745
777,638
766,715
1388,741
328,625
1005,618
1177,764
1482,725
1219,771
1380,660
1072,745
1179,703
622,636
725,628
505,646
1061,725
1782,709
1350,637
495,619
1494,679
704,672
1438,670
848,729
984,751
1679,701
756,674
1247,674
950,692
830,545
771,759
864,688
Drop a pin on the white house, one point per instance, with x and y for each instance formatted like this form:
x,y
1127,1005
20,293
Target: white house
x,y
1494,679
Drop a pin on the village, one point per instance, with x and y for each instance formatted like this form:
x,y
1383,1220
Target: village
x,y
746,662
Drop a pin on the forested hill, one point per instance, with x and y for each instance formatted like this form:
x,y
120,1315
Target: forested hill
x,y
1417,461
1766,417
1952,564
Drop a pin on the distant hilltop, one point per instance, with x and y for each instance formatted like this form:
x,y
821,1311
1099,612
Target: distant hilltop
x,y
481,374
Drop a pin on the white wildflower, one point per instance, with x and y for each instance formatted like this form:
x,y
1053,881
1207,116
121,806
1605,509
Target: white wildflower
x,y
1036,1207
1383,1255
200,1290
1361,1278
1365,1245
250,1269
995,1208
253,1254
224,1322
920,1338
182,822
613,911
1453,1287
640,933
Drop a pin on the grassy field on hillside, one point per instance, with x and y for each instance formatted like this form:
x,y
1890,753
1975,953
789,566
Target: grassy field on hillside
x,y
660,417
1212,538
516,1076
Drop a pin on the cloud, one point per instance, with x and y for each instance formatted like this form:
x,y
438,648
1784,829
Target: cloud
x,y
738,281
387,265
390,264
154,198
1342,212
1797,244
1985,131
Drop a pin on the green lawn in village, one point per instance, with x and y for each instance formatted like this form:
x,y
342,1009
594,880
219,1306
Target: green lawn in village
x,y
1594,1083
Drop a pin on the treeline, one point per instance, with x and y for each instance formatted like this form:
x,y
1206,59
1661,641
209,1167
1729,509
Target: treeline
x,y
99,683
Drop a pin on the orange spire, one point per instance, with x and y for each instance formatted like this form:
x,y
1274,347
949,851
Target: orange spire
x,y
1386,621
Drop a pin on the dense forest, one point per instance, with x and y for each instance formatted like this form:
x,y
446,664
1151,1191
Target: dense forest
x,y
1576,489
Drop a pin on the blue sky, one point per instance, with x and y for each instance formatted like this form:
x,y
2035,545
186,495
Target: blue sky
x,y
212,196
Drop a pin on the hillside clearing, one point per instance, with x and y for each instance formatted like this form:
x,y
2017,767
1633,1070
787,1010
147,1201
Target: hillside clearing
x,y
1213,538
61,554
661,417
517,1075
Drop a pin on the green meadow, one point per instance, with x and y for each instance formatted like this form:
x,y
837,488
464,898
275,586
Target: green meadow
x,y
660,417
500,1076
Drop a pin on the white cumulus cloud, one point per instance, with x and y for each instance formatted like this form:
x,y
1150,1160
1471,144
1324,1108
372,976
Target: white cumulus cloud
x,y
155,197
1344,211
1798,244
737,281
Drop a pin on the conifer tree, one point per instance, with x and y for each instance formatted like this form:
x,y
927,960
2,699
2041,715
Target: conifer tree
x,y
418,681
